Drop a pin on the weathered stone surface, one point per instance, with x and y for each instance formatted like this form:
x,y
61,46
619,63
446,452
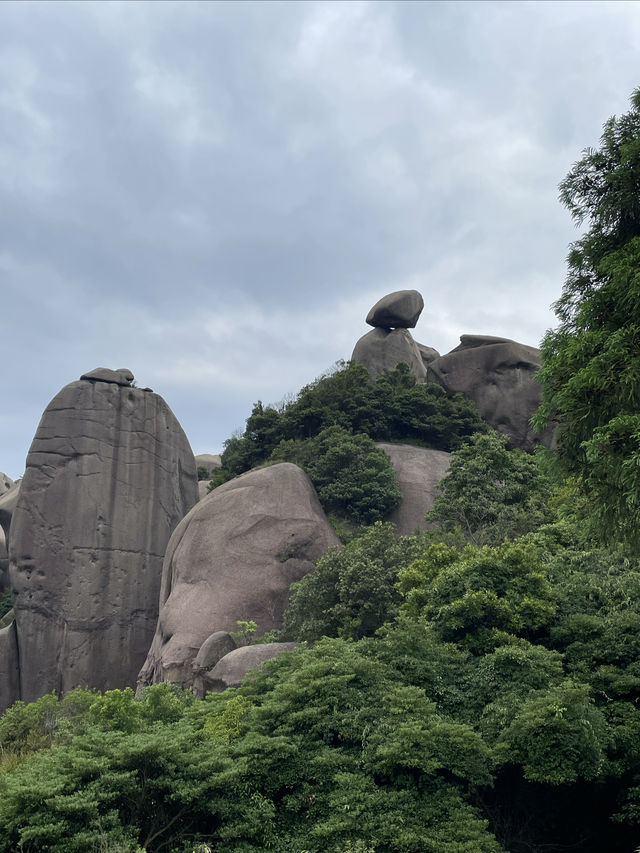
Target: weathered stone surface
x,y
8,503
418,471
381,350
498,375
234,556
109,475
6,483
4,562
210,461
203,489
428,354
232,668
211,651
121,376
398,310
9,673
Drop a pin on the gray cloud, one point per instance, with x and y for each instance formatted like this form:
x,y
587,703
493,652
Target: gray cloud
x,y
214,194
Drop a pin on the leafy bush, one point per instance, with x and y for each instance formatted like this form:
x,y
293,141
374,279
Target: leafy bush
x,y
491,493
353,478
392,408
353,590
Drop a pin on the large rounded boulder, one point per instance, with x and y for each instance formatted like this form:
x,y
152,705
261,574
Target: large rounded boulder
x,y
234,557
499,376
109,475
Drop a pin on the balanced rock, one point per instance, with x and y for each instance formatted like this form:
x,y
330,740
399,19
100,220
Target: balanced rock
x,y
234,557
231,670
418,472
398,310
498,374
109,475
381,350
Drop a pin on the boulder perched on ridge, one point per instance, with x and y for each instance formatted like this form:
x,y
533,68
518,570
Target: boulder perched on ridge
x,y
109,475
234,557
498,374
398,310
381,350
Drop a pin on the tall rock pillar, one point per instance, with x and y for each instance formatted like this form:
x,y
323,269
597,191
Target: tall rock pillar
x,y
109,475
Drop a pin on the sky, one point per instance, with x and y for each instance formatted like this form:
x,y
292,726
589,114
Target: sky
x,y
214,194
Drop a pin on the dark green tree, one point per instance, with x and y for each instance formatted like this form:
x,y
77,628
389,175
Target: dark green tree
x,y
353,477
591,362
492,493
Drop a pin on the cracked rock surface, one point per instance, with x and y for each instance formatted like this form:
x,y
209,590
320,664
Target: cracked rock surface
x,y
234,557
109,475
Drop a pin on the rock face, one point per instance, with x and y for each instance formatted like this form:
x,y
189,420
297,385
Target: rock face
x,y
9,671
234,557
6,483
381,350
399,310
232,668
418,471
498,375
109,475
210,461
8,503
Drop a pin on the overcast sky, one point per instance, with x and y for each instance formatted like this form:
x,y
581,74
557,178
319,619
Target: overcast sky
x,y
214,194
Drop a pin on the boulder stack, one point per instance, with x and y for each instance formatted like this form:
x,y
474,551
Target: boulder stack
x,y
498,374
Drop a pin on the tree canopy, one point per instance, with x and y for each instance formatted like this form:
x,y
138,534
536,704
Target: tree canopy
x,y
591,362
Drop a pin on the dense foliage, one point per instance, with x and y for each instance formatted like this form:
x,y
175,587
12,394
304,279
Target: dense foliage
x,y
491,493
394,407
591,362
353,477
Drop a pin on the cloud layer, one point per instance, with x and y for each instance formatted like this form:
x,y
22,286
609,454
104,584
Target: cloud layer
x,y
214,194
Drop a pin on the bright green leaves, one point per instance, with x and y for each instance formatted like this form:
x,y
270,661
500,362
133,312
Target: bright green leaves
x,y
480,597
352,592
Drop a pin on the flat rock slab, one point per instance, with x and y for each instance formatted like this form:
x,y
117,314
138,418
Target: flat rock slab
x,y
398,310
109,475
381,350
418,471
499,376
234,557
232,669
